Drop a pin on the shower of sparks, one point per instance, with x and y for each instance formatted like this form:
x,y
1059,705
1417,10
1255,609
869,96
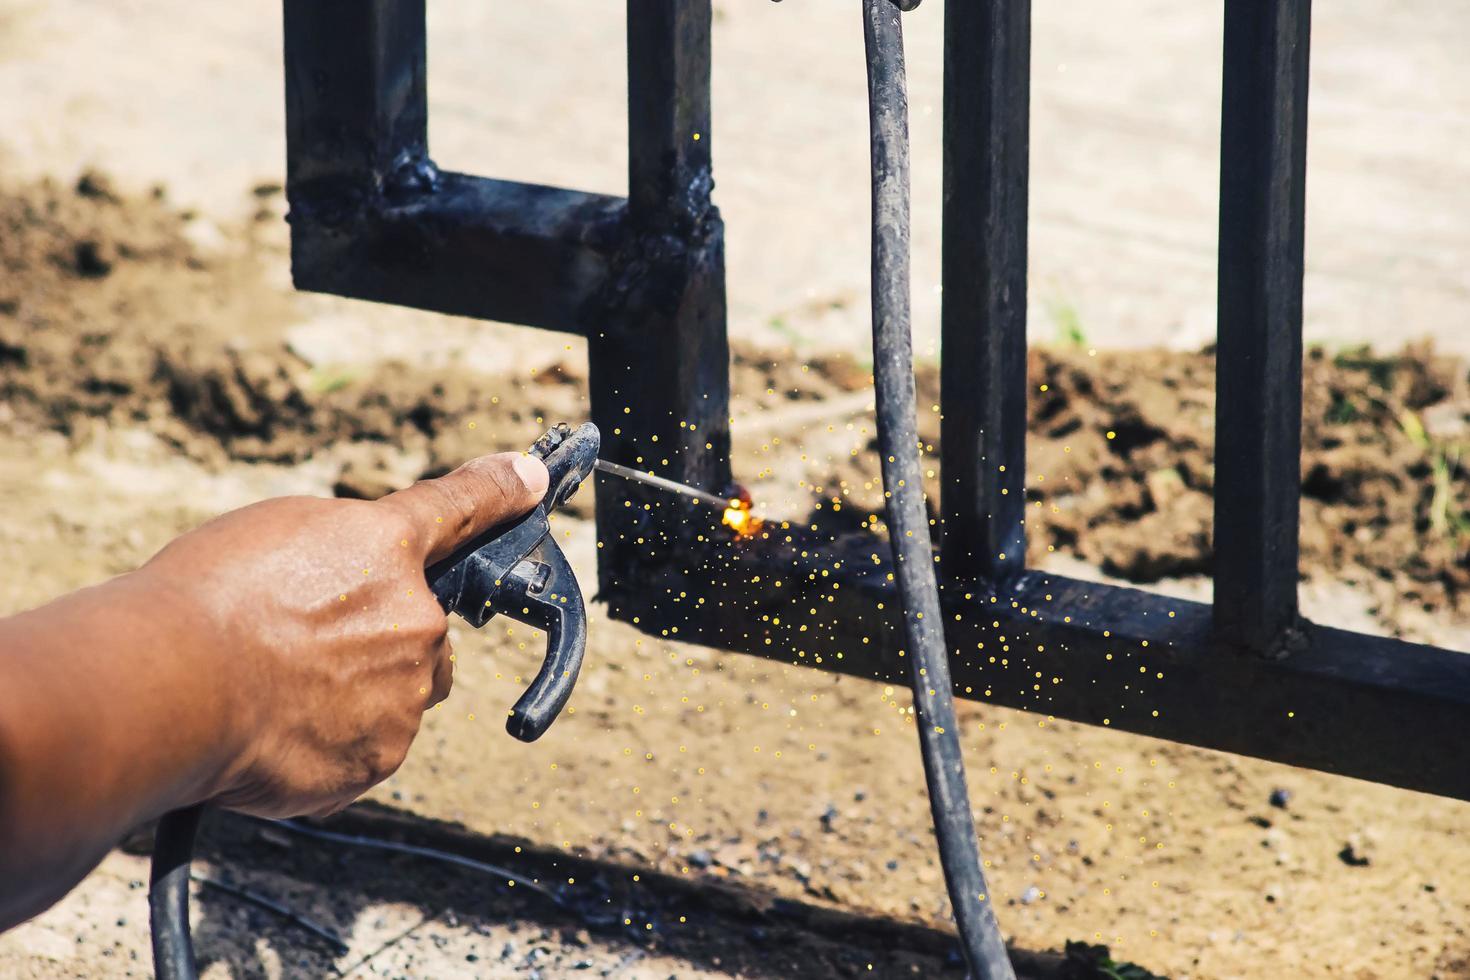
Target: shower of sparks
x,y
739,518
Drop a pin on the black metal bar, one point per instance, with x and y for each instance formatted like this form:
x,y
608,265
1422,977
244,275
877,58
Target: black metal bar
x,y
470,246
659,358
356,97
1374,708
371,216
669,178
1263,166
987,70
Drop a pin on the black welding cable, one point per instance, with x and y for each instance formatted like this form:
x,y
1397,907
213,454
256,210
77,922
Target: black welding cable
x,y
908,522
168,895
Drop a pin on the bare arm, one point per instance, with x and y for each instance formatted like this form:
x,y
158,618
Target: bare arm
x,y
277,660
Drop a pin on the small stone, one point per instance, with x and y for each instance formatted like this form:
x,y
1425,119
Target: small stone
x,y
800,870
701,859
1280,797
828,815
1030,895
93,259
1276,841
205,235
97,185
1357,852
1446,420
1164,486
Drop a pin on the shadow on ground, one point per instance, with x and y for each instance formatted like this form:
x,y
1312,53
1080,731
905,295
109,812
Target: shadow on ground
x,y
402,914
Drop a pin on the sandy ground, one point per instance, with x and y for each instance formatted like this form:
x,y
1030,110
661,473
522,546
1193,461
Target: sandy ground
x,y
725,770
720,770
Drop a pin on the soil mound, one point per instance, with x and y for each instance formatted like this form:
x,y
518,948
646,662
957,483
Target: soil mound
x,y
112,310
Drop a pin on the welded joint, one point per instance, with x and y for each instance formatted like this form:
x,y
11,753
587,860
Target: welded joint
x,y
1294,638
657,262
411,175
349,198
687,212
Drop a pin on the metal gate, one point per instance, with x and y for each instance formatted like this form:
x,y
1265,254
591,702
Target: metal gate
x,y
642,278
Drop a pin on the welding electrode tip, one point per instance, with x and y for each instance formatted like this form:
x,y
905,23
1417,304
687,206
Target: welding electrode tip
x,y
662,483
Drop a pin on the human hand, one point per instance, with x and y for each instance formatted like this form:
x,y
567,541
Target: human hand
x,y
315,619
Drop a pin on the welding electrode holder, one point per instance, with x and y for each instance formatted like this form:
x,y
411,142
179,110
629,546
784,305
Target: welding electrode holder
x,y
518,570
515,569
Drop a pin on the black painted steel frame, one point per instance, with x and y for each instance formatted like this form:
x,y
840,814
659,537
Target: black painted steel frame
x,y
642,278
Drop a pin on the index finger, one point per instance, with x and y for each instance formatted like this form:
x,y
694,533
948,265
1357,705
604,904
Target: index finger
x,y
451,510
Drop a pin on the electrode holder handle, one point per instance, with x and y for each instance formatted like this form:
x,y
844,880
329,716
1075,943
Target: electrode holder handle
x,y
518,570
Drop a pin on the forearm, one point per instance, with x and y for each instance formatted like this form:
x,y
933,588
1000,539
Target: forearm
x,y
277,660
107,719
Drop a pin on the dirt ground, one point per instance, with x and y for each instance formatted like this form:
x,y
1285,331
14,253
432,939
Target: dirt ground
x,y
153,375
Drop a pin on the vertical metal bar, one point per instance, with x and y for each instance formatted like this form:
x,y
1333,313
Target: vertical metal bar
x,y
669,110
1263,159
356,98
659,354
987,63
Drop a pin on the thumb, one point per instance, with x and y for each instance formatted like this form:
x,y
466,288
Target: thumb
x,y
451,510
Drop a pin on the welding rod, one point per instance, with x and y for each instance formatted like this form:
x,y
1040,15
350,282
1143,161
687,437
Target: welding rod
x,y
663,483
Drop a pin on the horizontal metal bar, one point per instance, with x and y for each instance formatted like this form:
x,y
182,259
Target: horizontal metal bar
x,y
469,246
1374,708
